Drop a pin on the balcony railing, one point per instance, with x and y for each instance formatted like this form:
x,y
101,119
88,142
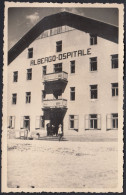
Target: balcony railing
x,y
55,76
55,103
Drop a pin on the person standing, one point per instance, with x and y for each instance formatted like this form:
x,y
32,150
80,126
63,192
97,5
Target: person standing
x,y
60,132
56,129
48,129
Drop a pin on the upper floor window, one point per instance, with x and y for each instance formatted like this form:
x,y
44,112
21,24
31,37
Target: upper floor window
x,y
30,53
93,64
15,76
28,97
114,60
93,92
58,67
44,70
93,39
72,93
14,98
58,46
72,66
29,74
114,89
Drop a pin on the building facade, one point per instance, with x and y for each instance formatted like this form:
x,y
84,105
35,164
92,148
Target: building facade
x,y
67,75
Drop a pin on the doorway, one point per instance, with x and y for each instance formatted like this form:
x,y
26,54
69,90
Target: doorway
x,y
56,118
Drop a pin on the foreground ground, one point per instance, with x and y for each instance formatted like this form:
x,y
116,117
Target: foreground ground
x,y
66,164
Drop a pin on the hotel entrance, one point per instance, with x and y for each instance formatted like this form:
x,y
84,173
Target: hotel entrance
x,y
55,117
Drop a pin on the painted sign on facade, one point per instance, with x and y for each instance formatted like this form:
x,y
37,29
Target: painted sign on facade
x,y
61,56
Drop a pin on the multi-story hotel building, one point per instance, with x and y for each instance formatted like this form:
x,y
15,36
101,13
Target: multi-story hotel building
x,y
64,70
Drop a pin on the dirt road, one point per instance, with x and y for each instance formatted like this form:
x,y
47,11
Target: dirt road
x,y
45,164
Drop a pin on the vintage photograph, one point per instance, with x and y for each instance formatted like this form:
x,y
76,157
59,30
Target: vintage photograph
x,y
63,92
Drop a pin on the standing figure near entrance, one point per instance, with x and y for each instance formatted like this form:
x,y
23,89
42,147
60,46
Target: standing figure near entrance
x,y
60,132
56,130
48,128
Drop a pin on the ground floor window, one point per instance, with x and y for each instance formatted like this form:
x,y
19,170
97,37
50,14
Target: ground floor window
x,y
73,121
112,121
39,122
25,122
93,122
11,122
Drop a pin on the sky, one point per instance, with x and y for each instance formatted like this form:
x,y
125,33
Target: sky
x,y
21,19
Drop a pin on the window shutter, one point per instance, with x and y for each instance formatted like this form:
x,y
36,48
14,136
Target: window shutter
x,y
13,122
99,121
22,123
8,122
37,122
76,122
108,121
86,121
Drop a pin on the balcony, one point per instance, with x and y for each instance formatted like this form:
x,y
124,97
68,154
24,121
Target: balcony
x,y
57,76
55,103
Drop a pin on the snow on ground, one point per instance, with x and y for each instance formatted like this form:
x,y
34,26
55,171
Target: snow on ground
x,y
53,164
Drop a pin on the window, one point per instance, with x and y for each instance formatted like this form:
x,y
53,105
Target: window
x,y
114,89
112,121
58,67
93,39
30,53
73,121
93,92
72,93
59,46
43,94
11,122
93,122
25,122
93,64
29,74
114,60
59,29
72,66
44,70
14,98
28,97
15,76
40,122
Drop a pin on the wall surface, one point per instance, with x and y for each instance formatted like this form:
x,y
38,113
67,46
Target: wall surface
x,y
73,40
